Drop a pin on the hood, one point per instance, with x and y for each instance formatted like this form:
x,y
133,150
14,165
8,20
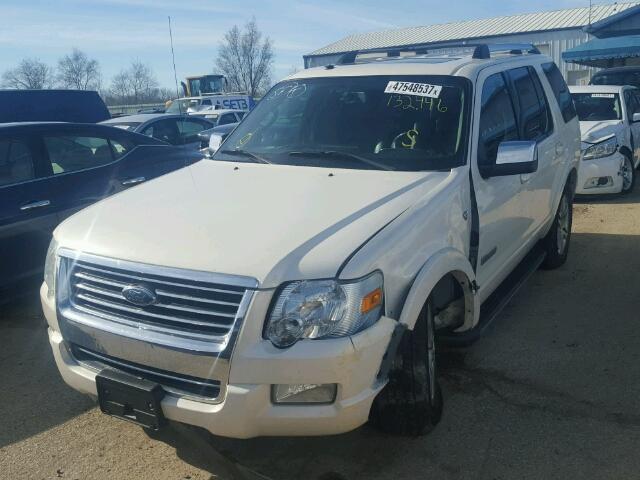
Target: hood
x,y
593,132
270,222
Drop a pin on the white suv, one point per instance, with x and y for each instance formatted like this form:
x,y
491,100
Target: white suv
x,y
293,284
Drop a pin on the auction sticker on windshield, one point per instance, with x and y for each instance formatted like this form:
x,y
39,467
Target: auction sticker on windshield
x,y
603,95
411,88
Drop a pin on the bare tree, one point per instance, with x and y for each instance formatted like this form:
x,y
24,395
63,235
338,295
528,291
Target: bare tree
x,y
78,71
246,59
30,73
136,84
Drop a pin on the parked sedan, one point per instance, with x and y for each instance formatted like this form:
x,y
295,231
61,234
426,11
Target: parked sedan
x,y
49,171
221,116
610,128
205,136
172,129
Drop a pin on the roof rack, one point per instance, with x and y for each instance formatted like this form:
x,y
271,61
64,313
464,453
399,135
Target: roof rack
x,y
480,50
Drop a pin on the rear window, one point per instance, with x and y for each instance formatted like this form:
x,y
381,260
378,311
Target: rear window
x,y
560,90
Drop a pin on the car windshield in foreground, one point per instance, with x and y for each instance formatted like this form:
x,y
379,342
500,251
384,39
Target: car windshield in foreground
x,y
405,123
596,107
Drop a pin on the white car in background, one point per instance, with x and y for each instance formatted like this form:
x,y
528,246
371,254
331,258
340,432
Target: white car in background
x,y
610,128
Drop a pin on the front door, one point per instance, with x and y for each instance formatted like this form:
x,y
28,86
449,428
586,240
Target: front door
x,y
632,101
504,216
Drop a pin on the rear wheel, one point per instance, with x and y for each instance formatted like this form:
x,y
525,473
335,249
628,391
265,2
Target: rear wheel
x,y
556,243
411,403
628,175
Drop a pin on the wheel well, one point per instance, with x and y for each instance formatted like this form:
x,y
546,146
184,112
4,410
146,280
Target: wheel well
x,y
450,300
626,151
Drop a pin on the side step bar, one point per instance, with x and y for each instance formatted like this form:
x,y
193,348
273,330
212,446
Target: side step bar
x,y
493,305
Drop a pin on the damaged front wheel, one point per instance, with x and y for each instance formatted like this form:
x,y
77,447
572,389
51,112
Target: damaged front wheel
x,y
411,402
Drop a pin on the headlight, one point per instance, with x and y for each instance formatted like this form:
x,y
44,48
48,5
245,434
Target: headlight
x,y
602,149
50,265
324,308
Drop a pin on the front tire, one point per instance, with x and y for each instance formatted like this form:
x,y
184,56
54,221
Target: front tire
x,y
556,243
628,176
411,403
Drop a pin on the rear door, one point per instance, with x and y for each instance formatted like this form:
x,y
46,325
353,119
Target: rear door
x,y
535,122
26,216
81,167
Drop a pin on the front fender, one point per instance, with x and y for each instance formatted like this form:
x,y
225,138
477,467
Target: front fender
x,y
443,262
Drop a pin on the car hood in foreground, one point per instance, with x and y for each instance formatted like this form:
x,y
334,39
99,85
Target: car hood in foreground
x,y
270,222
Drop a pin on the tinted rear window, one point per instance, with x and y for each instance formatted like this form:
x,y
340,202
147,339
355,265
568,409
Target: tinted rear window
x,y
52,106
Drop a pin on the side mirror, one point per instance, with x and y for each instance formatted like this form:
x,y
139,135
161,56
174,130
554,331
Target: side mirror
x,y
514,158
214,143
636,117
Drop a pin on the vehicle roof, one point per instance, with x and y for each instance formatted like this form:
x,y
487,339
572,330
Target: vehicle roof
x,y
597,88
144,117
219,111
417,65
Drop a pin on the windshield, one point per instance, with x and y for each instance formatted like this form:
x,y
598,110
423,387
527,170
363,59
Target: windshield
x,y
206,84
594,107
408,123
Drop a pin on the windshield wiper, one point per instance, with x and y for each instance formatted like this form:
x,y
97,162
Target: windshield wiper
x,y
335,153
244,153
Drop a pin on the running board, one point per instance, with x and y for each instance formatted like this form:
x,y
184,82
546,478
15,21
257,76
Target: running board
x,y
493,305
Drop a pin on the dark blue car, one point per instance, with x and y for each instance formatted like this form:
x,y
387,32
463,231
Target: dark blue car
x,y
49,171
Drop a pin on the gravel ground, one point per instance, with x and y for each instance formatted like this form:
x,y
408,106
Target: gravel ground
x,y
551,391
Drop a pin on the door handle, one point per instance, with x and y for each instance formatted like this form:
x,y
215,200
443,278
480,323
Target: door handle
x,y
132,181
525,177
34,205
559,149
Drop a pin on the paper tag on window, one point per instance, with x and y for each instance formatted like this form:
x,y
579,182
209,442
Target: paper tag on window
x,y
411,88
603,95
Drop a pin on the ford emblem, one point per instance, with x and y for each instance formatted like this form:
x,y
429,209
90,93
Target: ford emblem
x,y
139,295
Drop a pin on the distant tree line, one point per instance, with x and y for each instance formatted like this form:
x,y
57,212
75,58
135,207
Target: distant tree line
x,y
245,57
77,71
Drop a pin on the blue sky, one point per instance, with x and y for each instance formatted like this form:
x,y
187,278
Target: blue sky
x,y
117,31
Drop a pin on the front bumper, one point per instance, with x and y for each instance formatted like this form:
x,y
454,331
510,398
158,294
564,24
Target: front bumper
x,y
607,167
245,408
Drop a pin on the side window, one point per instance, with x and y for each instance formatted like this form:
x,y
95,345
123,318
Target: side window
x,y
16,163
240,115
165,130
227,118
533,115
206,102
120,147
560,90
68,153
189,130
497,119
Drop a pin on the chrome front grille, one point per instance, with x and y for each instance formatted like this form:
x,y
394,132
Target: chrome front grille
x,y
202,309
190,308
